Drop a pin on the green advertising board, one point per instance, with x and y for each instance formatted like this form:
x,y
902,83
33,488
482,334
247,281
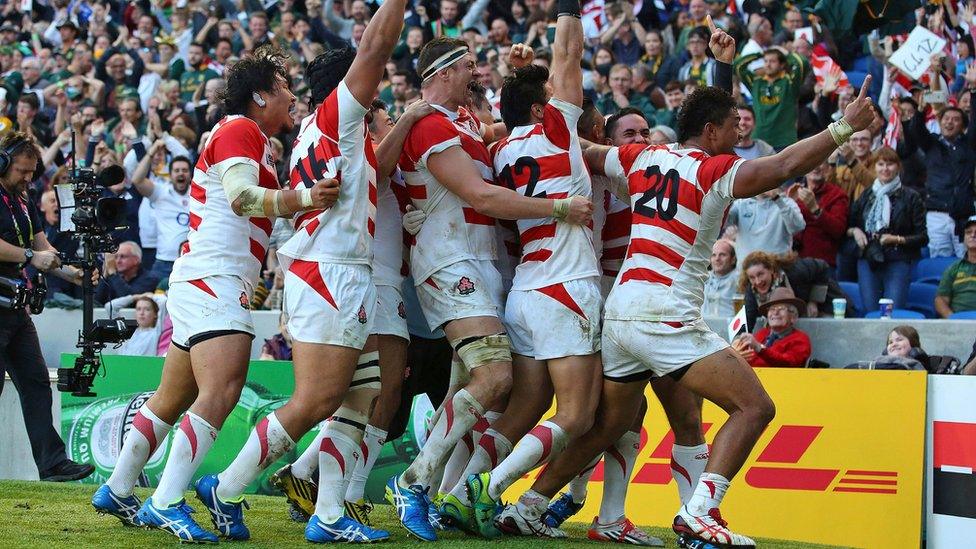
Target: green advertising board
x,y
93,428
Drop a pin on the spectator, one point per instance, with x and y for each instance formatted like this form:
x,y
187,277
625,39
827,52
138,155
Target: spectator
x,y
197,72
622,96
902,351
150,315
278,347
64,242
760,38
498,34
700,67
825,209
775,93
625,36
674,94
171,203
722,282
748,147
662,135
888,226
808,278
766,222
123,275
957,289
853,172
663,67
950,158
780,343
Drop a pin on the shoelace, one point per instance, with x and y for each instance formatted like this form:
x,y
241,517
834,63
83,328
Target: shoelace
x,y
717,516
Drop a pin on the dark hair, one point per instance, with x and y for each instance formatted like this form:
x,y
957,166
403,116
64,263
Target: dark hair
x,y
436,48
614,118
22,143
745,107
908,100
376,105
522,89
257,72
199,45
674,85
228,40
152,304
703,106
591,117
778,53
909,333
326,71
31,100
180,158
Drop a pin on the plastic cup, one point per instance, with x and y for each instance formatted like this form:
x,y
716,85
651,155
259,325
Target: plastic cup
x,y
886,306
840,307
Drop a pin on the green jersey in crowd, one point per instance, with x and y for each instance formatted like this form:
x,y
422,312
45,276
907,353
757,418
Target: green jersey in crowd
x,y
958,285
774,99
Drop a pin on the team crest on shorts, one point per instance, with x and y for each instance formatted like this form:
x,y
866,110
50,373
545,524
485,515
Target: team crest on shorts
x,y
465,286
401,310
362,314
245,302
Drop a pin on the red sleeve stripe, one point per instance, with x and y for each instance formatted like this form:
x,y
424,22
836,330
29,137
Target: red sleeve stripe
x,y
556,129
195,221
538,255
614,253
531,234
473,217
327,116
714,168
655,249
645,275
263,223
674,227
198,193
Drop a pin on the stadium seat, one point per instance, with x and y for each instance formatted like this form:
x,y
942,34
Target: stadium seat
x,y
965,315
898,313
921,298
853,292
931,268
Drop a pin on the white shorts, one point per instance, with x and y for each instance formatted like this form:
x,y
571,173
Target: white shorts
x,y
634,349
464,289
556,321
391,314
331,304
209,306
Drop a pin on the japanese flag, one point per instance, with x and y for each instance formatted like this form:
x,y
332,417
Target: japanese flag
x,y
739,325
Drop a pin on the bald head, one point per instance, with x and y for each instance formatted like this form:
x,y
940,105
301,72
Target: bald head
x,y
723,257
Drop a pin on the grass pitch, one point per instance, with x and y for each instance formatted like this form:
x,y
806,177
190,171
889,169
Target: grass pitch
x,y
43,514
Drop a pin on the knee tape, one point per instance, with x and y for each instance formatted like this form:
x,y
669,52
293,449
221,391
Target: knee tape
x,y
478,351
367,375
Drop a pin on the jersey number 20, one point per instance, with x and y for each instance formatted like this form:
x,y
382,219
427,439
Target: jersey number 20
x,y
661,187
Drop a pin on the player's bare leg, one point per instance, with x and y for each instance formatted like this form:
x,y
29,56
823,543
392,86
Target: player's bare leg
x,y
689,454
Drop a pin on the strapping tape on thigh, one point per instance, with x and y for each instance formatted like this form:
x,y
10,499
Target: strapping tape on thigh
x,y
481,350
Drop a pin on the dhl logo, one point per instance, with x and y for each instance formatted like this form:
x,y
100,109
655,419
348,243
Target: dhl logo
x,y
775,468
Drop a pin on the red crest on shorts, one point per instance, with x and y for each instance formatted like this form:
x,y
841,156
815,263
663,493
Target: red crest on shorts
x,y
245,303
465,286
362,314
401,310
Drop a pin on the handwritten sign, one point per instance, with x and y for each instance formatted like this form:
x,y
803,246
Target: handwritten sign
x,y
914,57
805,33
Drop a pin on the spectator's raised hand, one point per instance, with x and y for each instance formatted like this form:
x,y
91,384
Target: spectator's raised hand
x,y
966,13
520,56
971,74
721,44
860,113
97,128
831,80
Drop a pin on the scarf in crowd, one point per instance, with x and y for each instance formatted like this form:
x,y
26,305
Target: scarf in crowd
x,y
773,337
878,214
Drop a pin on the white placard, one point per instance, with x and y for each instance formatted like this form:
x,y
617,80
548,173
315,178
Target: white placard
x,y
914,57
806,33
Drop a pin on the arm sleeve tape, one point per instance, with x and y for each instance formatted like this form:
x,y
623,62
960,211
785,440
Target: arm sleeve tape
x,y
240,182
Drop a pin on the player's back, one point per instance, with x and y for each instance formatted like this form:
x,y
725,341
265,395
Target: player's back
x,y
332,143
219,241
679,197
544,160
453,230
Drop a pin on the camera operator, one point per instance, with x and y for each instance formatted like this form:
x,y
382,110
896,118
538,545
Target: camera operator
x,y
22,241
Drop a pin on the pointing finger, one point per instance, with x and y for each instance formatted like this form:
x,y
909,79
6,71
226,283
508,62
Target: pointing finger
x,y
711,24
864,87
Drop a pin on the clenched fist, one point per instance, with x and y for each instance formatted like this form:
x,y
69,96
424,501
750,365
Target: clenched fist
x,y
325,193
580,210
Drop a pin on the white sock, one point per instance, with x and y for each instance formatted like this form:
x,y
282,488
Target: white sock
x,y
545,441
687,464
337,459
577,486
373,441
618,464
492,448
145,435
459,416
193,440
708,494
463,451
532,504
267,442
307,463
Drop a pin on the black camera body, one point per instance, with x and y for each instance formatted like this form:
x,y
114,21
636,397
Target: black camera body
x,y
18,294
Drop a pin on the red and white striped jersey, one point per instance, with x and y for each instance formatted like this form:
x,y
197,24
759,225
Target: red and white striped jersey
x,y
333,143
679,199
388,247
221,242
611,226
544,160
453,230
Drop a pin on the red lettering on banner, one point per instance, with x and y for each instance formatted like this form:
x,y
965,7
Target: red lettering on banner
x,y
790,478
789,444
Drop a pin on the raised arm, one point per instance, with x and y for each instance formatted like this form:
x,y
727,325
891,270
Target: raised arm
x,y
765,173
567,52
453,169
378,41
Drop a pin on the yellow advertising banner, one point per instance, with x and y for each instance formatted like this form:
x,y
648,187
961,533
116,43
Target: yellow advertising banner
x,y
841,463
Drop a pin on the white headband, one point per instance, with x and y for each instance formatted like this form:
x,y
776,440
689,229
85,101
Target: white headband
x,y
445,61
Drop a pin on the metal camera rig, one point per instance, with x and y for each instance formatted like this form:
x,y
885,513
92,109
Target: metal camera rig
x,y
93,218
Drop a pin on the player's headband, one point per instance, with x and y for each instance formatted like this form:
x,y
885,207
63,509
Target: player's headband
x,y
445,61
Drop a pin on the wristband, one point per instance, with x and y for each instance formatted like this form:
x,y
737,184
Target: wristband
x,y
568,7
305,197
841,131
560,207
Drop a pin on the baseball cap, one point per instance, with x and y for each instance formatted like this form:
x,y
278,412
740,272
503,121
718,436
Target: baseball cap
x,y
970,221
8,27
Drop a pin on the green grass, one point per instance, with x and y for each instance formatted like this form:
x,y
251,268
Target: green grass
x,y
42,514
